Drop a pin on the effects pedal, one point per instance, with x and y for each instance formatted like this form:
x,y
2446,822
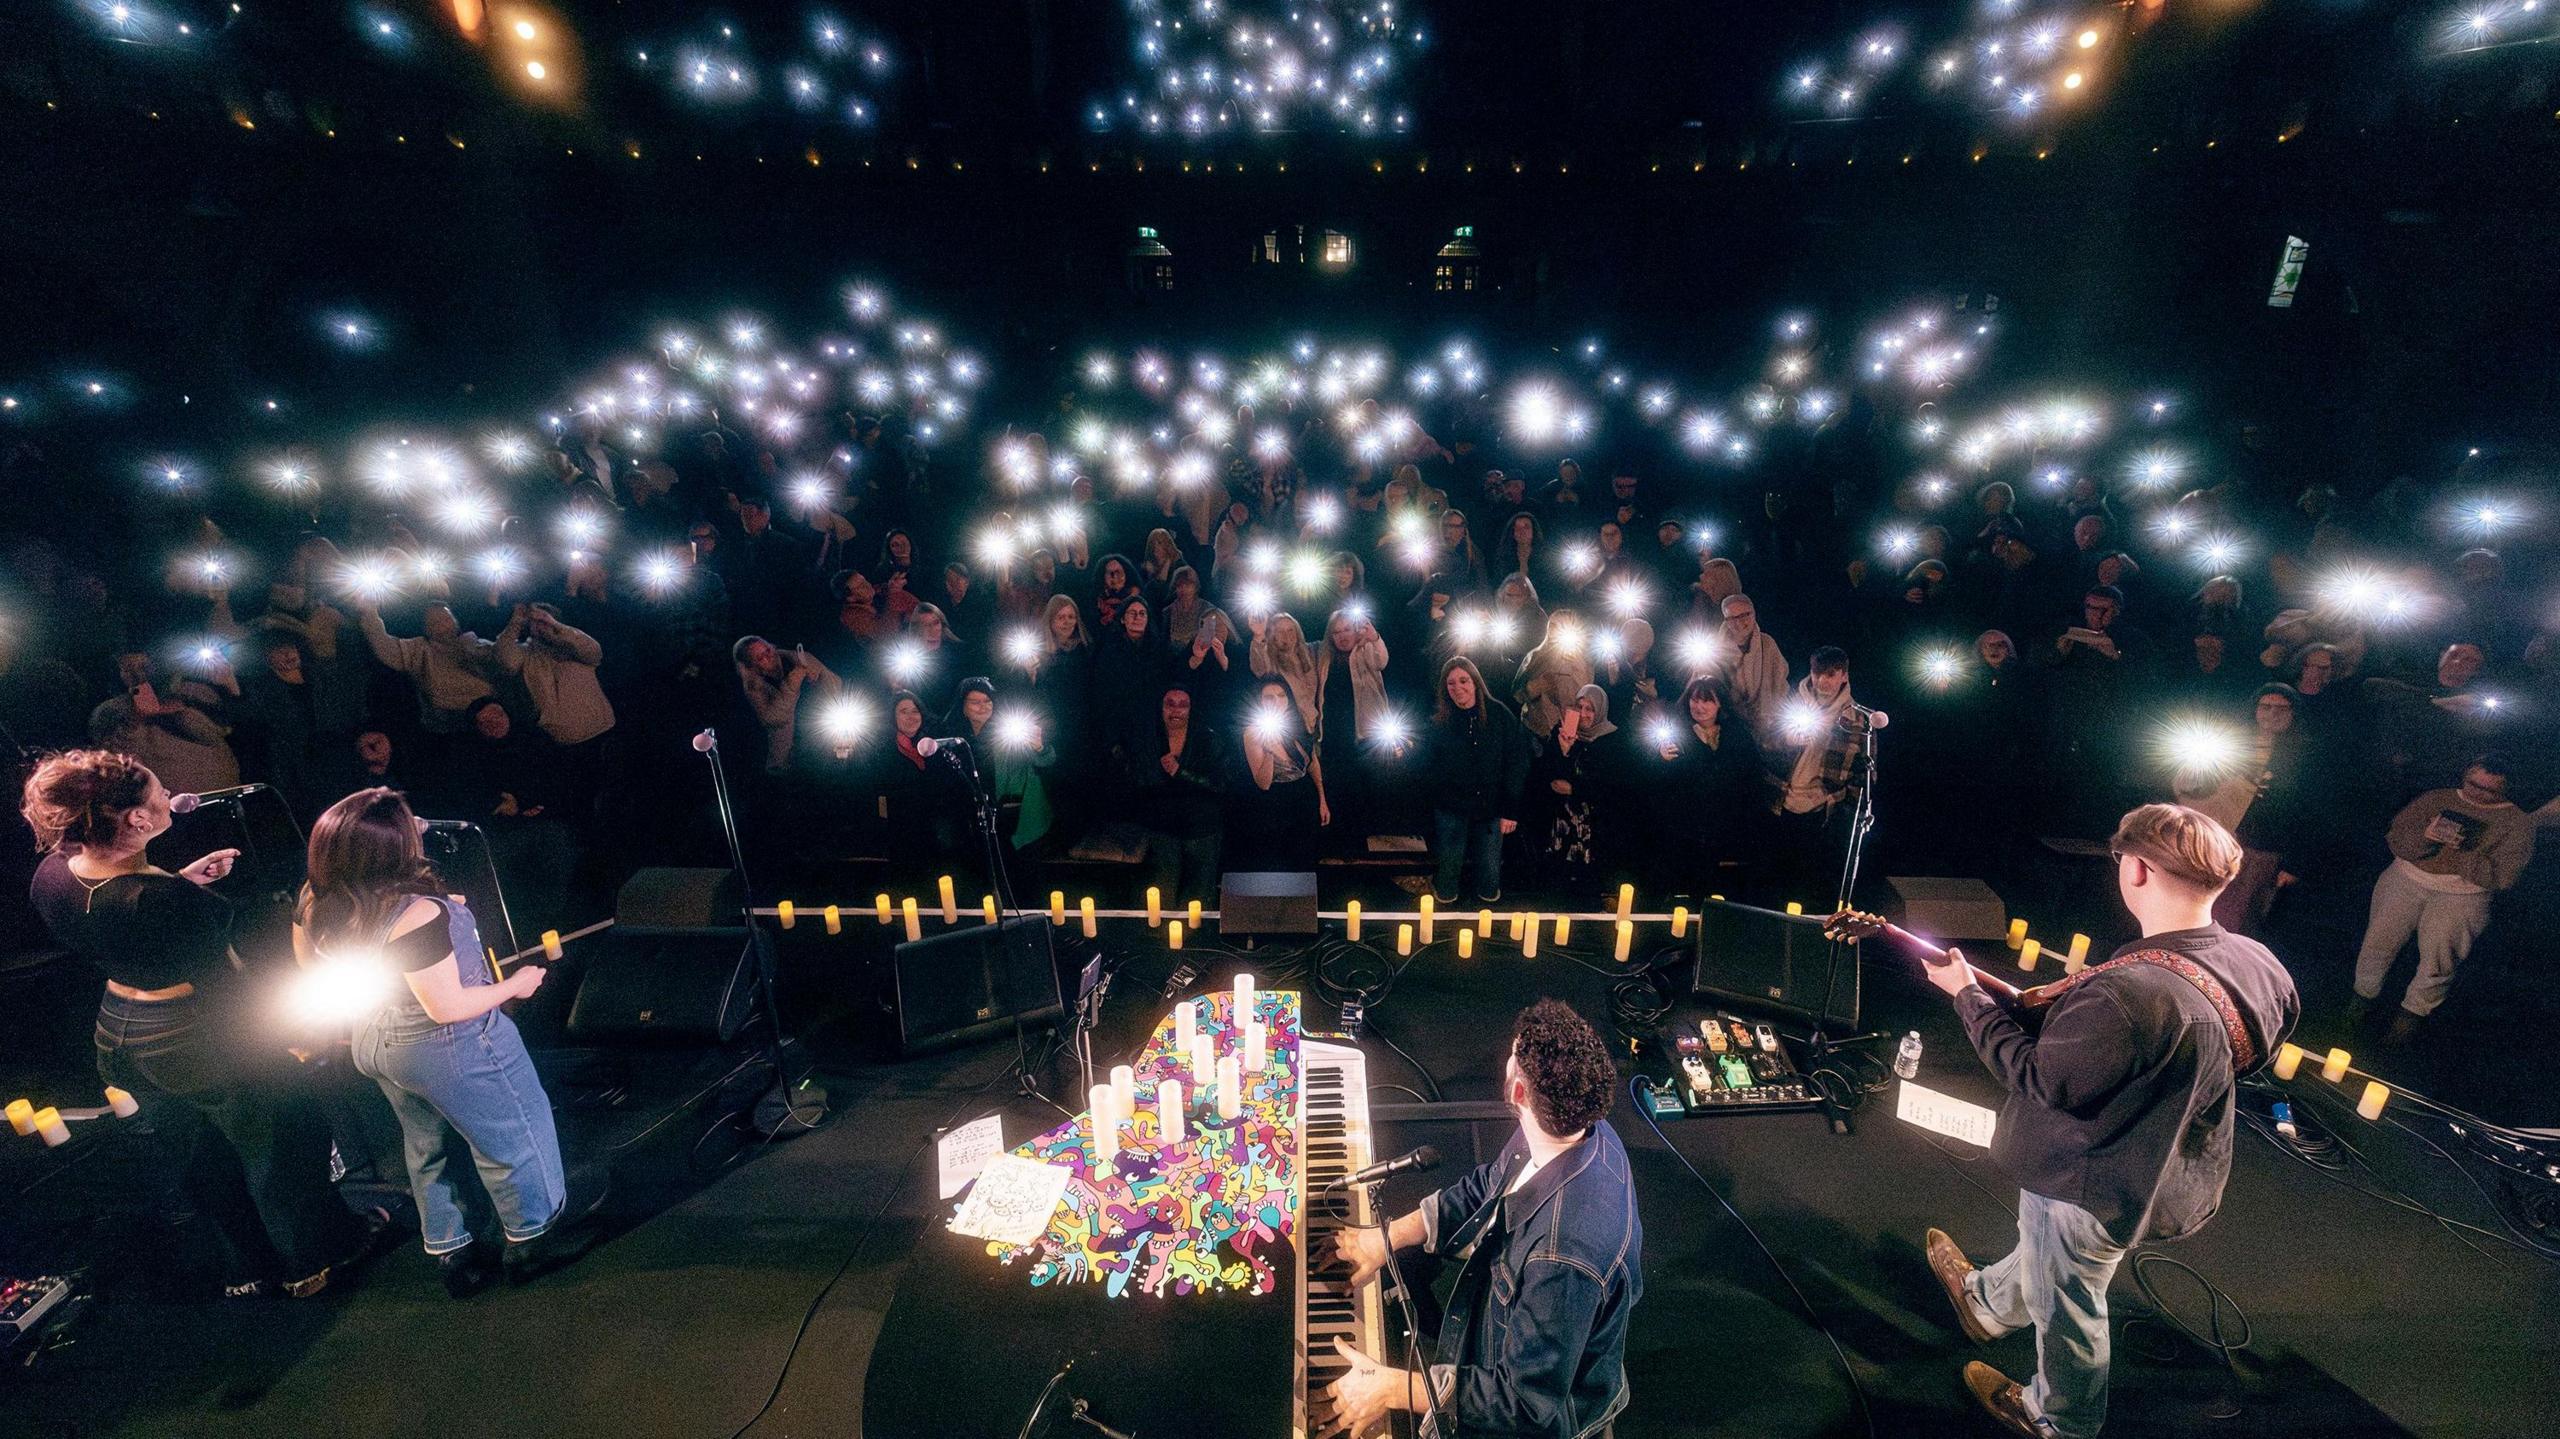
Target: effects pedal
x,y
25,1302
1741,1068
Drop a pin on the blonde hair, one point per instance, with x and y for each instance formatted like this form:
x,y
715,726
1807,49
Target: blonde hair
x,y
2183,843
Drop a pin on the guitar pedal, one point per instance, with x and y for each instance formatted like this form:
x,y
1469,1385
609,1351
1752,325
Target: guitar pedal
x,y
1741,1034
1767,1038
1713,1030
1693,1071
1737,1075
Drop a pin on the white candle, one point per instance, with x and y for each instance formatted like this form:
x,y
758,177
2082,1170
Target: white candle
x,y
122,1103
1244,998
1169,1110
1185,1018
1124,1089
1204,1058
50,1126
1102,1105
1106,1148
1230,1088
1257,1047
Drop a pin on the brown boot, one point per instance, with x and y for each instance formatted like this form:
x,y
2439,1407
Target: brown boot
x,y
2003,1399
1948,1263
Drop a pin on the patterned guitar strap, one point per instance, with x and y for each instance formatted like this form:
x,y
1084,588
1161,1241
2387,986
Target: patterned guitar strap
x,y
2244,1054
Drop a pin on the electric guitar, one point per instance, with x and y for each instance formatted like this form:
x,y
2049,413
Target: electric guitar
x,y
1853,925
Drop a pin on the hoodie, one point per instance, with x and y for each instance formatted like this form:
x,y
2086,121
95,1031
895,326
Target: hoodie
x,y
2122,1100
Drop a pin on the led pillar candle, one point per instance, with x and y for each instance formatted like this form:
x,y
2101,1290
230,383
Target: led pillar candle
x,y
1169,1110
1244,1000
1626,939
987,908
1626,901
1466,944
2288,1060
1529,937
551,946
1106,1145
1185,1022
1423,910
907,911
1084,911
1795,906
2029,952
1484,923
1230,1087
1102,1107
1058,906
1173,935
22,1117
1124,1089
1351,921
1519,925
787,912
2017,933
1204,1058
2079,955
51,1129
1191,916
1155,906
1679,921
2334,1068
2376,1095
1564,929
1257,1047
122,1103
835,919
950,901
880,906
1404,941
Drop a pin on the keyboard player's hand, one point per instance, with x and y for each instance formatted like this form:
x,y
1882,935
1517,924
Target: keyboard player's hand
x,y
1363,1251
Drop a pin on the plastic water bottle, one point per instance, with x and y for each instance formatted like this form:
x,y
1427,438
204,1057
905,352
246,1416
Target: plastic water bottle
x,y
1906,1060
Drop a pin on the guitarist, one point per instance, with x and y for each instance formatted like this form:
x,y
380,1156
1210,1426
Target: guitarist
x,y
2118,1123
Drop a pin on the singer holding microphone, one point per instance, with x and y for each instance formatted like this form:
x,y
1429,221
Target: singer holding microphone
x,y
1534,1341
250,1158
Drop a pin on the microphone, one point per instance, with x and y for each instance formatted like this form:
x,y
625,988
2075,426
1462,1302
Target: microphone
x,y
190,803
1413,1161
1876,719
929,746
448,824
706,742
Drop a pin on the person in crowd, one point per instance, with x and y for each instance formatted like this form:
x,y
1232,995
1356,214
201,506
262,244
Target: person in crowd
x,y
1553,674
1475,764
450,666
923,800
775,683
1129,669
1623,664
1522,547
1115,584
1162,559
1578,774
375,760
1014,757
766,571
556,666
181,1030
1280,806
2259,800
2118,1121
1180,781
1753,668
443,1051
278,728
1352,716
1535,1335
2092,672
2452,850
1824,731
1713,790
177,733
1280,651
932,658
1183,607
967,606
1458,558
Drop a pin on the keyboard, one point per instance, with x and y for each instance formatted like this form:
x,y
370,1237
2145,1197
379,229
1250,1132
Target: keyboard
x,y
1333,1139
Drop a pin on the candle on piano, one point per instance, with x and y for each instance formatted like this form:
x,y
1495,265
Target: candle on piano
x,y
915,926
2029,953
1404,941
1626,901
880,906
1102,1108
1626,939
1185,1017
1124,1089
1422,912
1169,1110
122,1103
1466,944
1257,1047
51,1129
1564,929
1230,1087
950,902
1351,921
1529,937
1244,999
1191,916
1106,1148
1204,1058
1058,907
1155,906
2017,933
1084,910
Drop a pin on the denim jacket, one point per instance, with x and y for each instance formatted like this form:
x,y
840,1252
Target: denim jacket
x,y
1536,1330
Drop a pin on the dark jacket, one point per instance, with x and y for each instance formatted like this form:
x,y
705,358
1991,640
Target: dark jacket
x,y
2122,1102
1537,1325
1476,770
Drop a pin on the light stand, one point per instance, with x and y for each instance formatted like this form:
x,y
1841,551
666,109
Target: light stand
x,y
760,944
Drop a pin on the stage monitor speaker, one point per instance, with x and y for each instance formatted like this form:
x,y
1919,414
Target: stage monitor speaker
x,y
1254,902
975,982
675,965
1766,963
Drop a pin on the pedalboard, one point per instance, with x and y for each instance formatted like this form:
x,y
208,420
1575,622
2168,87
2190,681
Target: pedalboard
x,y
1730,1065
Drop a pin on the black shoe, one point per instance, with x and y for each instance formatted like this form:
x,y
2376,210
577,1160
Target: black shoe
x,y
569,1237
468,1270
2404,1028
1491,899
2359,1009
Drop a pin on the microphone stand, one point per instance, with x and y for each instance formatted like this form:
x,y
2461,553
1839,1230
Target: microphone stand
x,y
759,944
985,815
1404,1301
1862,823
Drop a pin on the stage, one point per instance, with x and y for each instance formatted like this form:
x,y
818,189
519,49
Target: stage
x,y
748,1298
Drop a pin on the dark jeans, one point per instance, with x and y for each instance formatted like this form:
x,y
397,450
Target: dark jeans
x,y
1811,849
1185,869
249,1156
1463,849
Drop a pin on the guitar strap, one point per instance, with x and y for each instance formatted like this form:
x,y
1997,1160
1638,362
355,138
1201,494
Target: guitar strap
x,y
2244,1054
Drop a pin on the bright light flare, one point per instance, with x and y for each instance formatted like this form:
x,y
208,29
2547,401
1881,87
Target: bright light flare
x,y
1939,668
844,720
907,661
1697,648
339,989
1015,730
2199,748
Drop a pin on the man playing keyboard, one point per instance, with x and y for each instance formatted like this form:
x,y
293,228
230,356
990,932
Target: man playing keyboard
x,y
1534,1340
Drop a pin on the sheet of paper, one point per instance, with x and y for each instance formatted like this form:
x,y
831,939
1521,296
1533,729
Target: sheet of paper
x,y
1945,1114
966,1150
1012,1200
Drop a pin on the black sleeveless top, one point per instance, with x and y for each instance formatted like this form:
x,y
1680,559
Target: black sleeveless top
x,y
146,931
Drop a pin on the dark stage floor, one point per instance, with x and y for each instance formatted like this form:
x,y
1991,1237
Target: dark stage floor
x,y
2364,1318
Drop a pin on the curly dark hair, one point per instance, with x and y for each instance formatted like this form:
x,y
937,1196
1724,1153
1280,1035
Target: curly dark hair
x,y
1571,1077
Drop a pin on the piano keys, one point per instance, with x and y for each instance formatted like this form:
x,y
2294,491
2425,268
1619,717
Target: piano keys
x,y
1333,1140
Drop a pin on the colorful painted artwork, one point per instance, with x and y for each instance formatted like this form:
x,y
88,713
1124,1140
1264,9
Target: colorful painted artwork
x,y
1213,1211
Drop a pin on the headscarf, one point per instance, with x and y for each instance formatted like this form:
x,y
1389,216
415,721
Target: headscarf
x,y
1600,700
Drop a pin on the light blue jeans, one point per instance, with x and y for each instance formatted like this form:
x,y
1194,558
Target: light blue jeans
x,y
473,1079
2056,1279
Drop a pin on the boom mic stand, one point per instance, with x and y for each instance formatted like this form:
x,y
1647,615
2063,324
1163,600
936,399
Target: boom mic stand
x,y
760,944
1862,823
985,817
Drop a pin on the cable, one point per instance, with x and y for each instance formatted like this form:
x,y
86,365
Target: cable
x,y
1857,1390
